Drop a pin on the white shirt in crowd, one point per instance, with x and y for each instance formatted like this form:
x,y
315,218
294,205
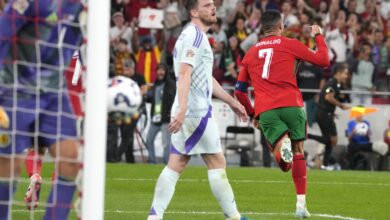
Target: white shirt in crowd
x,y
340,43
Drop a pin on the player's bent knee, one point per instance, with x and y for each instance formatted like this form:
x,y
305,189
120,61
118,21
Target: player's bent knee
x,y
68,169
178,162
214,161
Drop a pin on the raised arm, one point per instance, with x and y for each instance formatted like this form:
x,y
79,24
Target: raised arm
x,y
318,57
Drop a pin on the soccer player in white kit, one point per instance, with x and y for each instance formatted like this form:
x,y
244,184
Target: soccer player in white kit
x,y
193,126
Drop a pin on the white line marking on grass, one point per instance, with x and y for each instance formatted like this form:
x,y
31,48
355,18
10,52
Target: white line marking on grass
x,y
256,181
214,213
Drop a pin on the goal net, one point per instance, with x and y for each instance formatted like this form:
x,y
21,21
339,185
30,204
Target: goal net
x,y
52,119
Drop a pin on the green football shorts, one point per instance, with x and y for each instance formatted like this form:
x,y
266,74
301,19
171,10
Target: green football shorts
x,y
276,122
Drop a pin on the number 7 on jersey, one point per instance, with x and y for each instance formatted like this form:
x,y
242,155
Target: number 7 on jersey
x,y
268,57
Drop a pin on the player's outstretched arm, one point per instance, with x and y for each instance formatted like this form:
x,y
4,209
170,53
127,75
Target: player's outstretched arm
x,y
183,89
319,57
220,93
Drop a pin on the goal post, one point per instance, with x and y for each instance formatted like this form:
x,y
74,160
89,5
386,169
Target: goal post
x,y
95,130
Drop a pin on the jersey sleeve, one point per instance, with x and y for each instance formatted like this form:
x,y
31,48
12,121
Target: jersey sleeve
x,y
318,57
241,88
192,41
329,89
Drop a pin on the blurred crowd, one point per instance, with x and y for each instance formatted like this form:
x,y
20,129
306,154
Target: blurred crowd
x,y
356,31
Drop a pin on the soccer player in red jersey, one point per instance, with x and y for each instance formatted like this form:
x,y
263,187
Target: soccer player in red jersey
x,y
270,66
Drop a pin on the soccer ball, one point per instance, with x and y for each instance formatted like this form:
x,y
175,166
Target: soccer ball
x,y
124,96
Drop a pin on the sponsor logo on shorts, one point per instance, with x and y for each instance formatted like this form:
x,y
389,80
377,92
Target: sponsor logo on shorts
x,y
5,140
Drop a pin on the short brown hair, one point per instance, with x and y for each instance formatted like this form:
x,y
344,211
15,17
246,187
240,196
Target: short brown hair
x,y
190,4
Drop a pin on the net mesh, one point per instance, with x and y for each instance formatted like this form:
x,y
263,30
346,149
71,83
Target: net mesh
x,y
37,41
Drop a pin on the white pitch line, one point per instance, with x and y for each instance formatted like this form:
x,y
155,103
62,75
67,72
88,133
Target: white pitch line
x,y
255,181
117,211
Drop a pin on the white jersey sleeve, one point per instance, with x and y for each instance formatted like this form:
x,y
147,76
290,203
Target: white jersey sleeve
x,y
191,41
193,48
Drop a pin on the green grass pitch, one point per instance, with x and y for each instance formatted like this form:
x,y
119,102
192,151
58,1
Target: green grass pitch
x,y
260,194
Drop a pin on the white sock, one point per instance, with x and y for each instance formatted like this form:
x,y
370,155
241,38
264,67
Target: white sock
x,y
163,192
301,200
223,192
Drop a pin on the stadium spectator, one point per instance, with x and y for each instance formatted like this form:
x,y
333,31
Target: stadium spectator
x,y
339,40
132,11
174,16
349,6
310,77
380,57
266,5
306,38
218,41
254,21
384,8
329,100
238,12
120,30
161,97
323,13
289,19
148,56
372,12
354,27
232,57
223,9
269,66
121,56
239,29
363,77
118,5
359,132
115,152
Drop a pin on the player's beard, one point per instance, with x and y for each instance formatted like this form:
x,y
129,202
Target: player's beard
x,y
208,21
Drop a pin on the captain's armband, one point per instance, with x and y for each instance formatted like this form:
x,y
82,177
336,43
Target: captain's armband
x,y
242,86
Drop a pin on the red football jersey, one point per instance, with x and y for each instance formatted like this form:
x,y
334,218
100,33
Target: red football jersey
x,y
271,65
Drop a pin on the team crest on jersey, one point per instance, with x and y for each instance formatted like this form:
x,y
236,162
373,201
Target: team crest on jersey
x,y
190,53
20,6
4,140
